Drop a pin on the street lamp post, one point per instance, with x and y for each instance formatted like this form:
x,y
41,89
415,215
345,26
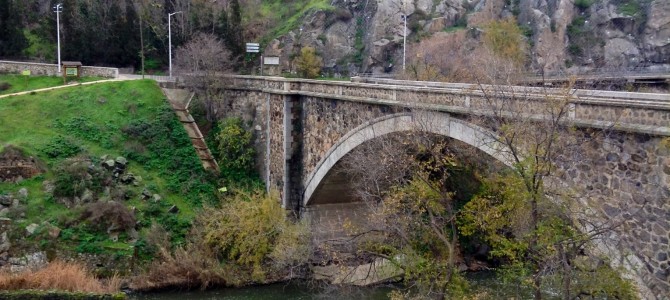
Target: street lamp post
x,y
170,39
58,9
404,42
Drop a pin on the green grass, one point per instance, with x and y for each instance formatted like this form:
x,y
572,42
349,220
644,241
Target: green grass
x,y
288,15
97,119
454,28
21,83
630,8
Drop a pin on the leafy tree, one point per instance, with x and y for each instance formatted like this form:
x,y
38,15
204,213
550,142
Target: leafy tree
x,y
235,148
12,40
308,63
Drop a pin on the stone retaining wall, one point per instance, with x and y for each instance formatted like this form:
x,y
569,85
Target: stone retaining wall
x,y
14,67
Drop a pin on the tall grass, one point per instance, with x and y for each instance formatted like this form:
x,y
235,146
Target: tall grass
x,y
59,275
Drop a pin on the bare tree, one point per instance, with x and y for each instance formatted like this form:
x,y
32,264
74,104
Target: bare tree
x,y
201,64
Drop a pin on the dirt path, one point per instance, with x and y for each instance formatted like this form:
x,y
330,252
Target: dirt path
x,y
179,100
62,87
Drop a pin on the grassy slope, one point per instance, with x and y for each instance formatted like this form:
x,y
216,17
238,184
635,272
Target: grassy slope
x,y
287,15
22,83
32,122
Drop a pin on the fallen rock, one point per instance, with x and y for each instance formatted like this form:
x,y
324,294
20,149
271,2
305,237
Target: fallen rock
x,y
127,178
87,196
6,200
23,193
174,209
48,186
30,229
33,261
109,164
146,194
121,162
54,232
157,197
4,242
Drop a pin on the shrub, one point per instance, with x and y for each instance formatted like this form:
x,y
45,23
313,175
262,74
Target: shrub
x,y
251,228
61,147
5,86
504,38
308,63
74,175
583,4
236,153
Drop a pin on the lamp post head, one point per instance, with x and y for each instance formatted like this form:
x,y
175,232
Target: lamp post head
x,y
174,13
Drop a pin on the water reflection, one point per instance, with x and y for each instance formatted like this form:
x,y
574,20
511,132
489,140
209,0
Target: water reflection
x,y
287,291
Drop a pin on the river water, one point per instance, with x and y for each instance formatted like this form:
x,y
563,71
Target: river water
x,y
484,283
288,291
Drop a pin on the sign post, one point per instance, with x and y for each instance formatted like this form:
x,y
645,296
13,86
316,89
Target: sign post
x,y
26,75
255,48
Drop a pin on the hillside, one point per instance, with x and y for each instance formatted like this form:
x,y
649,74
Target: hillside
x,y
87,170
350,35
580,35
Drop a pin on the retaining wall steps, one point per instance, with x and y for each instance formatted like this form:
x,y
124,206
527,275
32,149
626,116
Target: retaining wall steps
x,y
179,100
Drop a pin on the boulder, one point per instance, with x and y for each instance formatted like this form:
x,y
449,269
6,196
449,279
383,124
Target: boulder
x,y
23,193
174,209
121,162
379,271
620,52
127,178
87,196
109,164
48,186
30,229
54,232
6,200
146,194
157,197
4,242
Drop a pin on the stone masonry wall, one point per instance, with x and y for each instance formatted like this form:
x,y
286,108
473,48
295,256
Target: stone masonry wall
x,y
12,67
325,121
252,108
625,179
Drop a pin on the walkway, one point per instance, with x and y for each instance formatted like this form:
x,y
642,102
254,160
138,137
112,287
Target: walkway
x,y
62,87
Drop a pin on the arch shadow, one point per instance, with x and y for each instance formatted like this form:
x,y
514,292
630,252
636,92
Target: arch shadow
x,y
432,122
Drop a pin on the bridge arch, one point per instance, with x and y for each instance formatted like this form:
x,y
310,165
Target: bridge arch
x,y
432,122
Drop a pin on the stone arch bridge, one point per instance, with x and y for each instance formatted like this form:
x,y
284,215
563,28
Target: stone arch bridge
x,y
304,127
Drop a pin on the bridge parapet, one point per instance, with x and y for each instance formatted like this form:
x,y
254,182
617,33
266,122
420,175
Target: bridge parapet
x,y
634,112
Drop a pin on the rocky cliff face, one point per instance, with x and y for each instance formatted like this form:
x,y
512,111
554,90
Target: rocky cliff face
x,y
367,35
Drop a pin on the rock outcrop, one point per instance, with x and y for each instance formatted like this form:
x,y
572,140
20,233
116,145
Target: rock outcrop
x,y
367,36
